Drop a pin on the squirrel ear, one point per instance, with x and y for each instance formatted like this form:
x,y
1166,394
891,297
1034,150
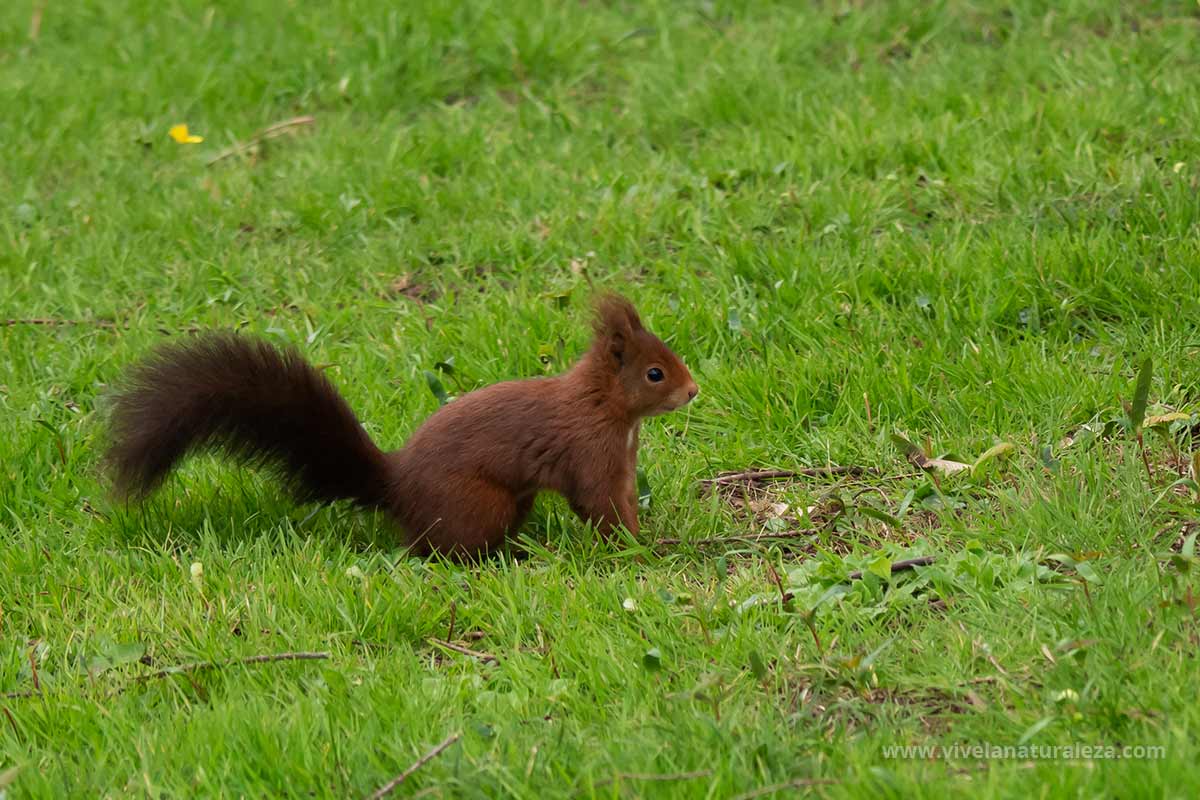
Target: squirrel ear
x,y
616,322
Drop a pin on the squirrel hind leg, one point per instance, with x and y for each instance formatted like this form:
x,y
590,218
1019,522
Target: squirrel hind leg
x,y
474,522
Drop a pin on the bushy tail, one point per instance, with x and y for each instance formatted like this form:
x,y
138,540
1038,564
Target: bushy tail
x,y
251,400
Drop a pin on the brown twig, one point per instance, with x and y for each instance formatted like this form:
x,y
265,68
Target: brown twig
x,y
1145,458
199,665
784,596
35,21
466,651
749,537
37,683
11,720
861,492
270,132
453,616
390,786
652,776
996,664
752,475
52,321
19,695
799,783
900,566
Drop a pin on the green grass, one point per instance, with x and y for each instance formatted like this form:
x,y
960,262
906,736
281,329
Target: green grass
x,y
978,218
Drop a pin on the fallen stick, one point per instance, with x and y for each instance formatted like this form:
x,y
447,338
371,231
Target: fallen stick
x,y
390,786
199,665
466,651
748,537
270,132
799,783
49,322
775,474
184,669
652,776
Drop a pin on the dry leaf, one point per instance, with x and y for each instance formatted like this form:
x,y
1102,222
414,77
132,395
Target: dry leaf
x,y
917,456
1164,419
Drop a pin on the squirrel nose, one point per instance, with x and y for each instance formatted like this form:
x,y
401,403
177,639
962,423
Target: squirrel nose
x,y
693,390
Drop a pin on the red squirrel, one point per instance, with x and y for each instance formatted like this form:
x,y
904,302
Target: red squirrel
x,y
466,478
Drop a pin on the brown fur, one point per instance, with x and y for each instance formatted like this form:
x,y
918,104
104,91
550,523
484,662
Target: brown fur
x,y
466,477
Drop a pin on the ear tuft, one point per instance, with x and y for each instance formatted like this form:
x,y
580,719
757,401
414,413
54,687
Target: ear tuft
x,y
616,314
616,322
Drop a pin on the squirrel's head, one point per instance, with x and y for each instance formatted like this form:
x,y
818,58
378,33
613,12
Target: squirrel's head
x,y
654,379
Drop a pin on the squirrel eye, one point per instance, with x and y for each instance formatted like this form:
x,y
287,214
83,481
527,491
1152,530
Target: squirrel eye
x,y
654,375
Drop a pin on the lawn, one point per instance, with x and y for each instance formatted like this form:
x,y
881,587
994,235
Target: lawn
x,y
878,233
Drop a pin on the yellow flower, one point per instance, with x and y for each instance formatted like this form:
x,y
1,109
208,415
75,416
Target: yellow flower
x,y
180,134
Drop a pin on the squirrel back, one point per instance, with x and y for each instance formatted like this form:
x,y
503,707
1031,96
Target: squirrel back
x,y
466,477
